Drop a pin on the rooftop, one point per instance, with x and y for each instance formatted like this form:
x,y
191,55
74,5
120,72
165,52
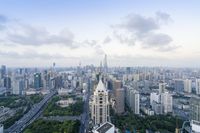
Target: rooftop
x,y
104,128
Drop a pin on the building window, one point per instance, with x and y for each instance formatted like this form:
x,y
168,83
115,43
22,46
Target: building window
x,y
100,111
101,120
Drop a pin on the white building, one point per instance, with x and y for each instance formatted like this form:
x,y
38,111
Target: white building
x,y
1,128
167,102
105,128
63,91
188,85
100,105
195,125
133,100
197,86
154,97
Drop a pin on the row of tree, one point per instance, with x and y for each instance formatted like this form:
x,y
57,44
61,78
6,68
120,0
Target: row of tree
x,y
42,126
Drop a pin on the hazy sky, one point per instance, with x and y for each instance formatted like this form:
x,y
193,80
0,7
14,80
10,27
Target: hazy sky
x,y
130,32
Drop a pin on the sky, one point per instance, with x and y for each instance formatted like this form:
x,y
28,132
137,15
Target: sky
x,y
36,33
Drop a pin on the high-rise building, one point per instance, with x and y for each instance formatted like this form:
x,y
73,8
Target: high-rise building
x,y
37,81
154,97
119,101
100,105
105,64
157,107
162,87
3,71
188,85
167,102
18,86
117,84
179,85
133,99
7,82
195,108
136,77
197,86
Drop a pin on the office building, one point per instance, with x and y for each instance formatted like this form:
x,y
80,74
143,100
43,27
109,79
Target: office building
x,y
157,107
188,85
167,102
179,85
195,108
37,81
18,86
162,87
3,71
119,101
7,82
100,105
105,64
116,85
154,97
133,100
197,86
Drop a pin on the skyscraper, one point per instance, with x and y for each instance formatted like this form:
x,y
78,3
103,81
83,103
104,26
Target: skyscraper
x,y
116,85
100,104
133,99
154,97
119,101
37,81
195,108
18,86
105,64
7,82
167,102
3,71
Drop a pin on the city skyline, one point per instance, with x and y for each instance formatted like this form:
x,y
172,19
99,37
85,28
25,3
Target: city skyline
x,y
131,33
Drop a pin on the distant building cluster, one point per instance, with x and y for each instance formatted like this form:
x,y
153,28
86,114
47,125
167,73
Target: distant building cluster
x,y
143,91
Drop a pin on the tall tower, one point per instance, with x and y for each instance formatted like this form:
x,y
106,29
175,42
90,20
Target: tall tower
x,y
197,86
100,105
105,65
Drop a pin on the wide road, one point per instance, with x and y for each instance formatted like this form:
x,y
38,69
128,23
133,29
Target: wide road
x,y
32,115
85,115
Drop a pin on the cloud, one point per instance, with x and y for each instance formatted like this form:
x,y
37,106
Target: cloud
x,y
99,50
3,20
124,39
139,24
90,42
163,18
144,30
36,36
156,39
107,40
